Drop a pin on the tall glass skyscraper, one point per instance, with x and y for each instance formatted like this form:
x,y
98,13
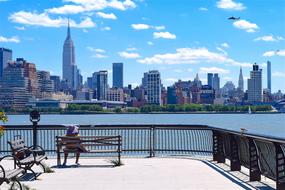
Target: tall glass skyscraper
x,y
269,76
102,85
5,57
118,75
210,79
68,62
240,80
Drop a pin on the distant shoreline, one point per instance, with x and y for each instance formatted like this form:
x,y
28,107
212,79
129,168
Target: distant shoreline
x,y
124,113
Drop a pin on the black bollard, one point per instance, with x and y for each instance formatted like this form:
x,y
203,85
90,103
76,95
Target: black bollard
x,y
35,118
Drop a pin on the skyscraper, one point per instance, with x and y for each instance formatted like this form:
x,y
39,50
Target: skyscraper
x,y
269,76
5,57
102,85
216,82
254,84
240,80
210,79
118,75
68,62
153,87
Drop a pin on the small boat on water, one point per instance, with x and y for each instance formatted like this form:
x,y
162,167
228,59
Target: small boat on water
x,y
249,110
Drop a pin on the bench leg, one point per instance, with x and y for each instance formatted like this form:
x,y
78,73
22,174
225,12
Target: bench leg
x,y
16,181
44,169
35,175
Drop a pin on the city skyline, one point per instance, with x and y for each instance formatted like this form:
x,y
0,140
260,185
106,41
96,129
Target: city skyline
x,y
166,50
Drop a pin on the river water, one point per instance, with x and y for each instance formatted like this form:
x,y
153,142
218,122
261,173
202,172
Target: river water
x,y
263,124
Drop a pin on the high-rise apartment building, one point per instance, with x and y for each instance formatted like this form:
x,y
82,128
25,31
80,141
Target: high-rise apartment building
x,y
5,57
118,75
115,94
254,84
56,83
216,82
102,85
269,76
153,87
45,84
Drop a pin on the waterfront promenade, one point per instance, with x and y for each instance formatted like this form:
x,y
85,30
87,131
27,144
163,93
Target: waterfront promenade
x,y
142,173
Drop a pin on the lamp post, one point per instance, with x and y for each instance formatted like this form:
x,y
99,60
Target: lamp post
x,y
35,118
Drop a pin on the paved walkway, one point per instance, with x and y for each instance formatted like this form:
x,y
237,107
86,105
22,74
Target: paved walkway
x,y
137,174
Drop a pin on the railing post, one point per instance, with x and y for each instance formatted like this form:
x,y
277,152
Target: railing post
x,y
254,170
280,167
151,142
218,147
119,148
235,161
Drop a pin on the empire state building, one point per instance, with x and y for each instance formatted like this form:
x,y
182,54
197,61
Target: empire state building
x,y
69,68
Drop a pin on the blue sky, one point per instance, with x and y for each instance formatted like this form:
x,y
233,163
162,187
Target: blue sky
x,y
179,38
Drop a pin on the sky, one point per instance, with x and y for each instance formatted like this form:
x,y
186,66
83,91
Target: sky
x,y
177,37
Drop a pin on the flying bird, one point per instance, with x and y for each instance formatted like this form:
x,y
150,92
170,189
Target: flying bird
x,y
234,18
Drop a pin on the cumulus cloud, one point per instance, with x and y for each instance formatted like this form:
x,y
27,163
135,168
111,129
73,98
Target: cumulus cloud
x,y
246,25
213,70
131,49
150,43
81,6
222,50
191,56
99,56
269,38
274,53
230,5
98,53
146,27
165,35
20,27
43,19
107,16
129,55
13,39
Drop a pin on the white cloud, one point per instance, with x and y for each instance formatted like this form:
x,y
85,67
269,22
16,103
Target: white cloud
x,y
107,16
190,70
20,27
191,56
84,30
106,28
278,74
225,45
227,78
146,27
98,50
150,43
203,9
128,55
81,6
166,35
13,39
245,25
222,50
213,70
178,70
159,27
98,55
43,19
140,26
230,5
275,53
269,38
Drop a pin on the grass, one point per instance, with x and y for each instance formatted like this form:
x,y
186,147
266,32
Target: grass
x,y
116,162
48,169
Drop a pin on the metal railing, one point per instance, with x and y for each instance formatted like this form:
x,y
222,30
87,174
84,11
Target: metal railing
x,y
262,155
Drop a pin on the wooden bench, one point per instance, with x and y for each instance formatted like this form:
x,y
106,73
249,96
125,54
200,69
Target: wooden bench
x,y
10,175
91,144
27,156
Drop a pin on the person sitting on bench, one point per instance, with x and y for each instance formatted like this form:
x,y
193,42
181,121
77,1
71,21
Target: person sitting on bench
x,y
73,143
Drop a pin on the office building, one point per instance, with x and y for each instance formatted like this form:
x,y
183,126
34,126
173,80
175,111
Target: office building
x,y
5,57
240,81
115,94
118,75
45,84
56,83
171,95
254,84
269,76
207,95
210,79
102,85
153,87
69,68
